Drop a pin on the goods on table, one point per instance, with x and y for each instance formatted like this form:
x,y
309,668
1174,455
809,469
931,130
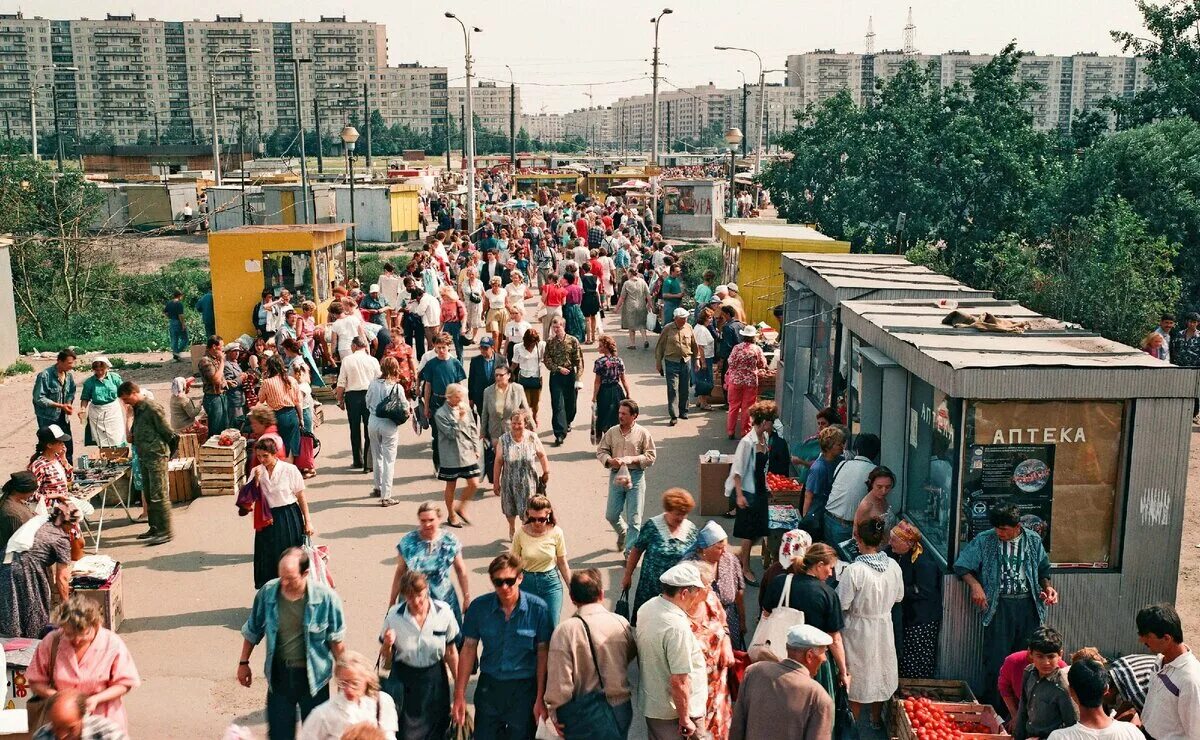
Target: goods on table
x,y
779,482
222,467
924,719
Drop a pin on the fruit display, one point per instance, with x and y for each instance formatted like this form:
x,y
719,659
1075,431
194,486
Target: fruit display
x,y
779,482
935,721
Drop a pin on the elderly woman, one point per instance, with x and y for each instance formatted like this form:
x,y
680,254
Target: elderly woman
x,y
519,455
708,621
662,541
527,359
746,362
921,610
184,409
383,434
792,547
25,585
610,386
633,304
808,591
868,588
106,420
357,699
282,486
517,289
747,483
711,547
540,547
459,446
82,654
418,643
433,553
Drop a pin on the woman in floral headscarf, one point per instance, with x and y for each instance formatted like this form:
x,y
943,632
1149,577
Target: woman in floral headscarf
x,y
921,611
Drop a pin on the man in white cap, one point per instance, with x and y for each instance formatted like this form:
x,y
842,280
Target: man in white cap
x,y
373,306
675,351
733,298
781,701
674,686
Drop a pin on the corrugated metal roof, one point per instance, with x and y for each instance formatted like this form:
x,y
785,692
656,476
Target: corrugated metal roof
x,y
1059,360
773,229
867,271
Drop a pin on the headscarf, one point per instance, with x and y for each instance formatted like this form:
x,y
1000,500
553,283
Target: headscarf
x,y
709,535
795,544
179,387
911,535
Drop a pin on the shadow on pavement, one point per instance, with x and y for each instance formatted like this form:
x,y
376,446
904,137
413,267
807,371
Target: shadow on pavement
x,y
232,618
195,561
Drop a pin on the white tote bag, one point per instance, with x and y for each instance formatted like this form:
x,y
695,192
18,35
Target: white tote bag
x,y
770,637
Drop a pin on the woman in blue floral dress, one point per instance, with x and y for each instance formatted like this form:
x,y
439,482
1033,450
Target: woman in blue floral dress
x,y
433,553
660,545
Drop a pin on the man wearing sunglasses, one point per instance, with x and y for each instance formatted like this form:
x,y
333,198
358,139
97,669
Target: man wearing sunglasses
x,y
514,628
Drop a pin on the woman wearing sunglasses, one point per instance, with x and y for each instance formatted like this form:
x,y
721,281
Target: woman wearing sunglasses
x,y
540,547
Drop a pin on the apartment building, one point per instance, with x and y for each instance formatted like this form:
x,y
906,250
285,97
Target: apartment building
x,y
683,114
594,124
137,76
543,126
489,103
823,73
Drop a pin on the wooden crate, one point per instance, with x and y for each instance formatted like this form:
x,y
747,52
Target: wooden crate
x,y
222,470
211,450
110,600
181,474
936,689
189,446
222,486
957,711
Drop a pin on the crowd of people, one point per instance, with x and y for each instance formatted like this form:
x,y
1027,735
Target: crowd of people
x,y
851,598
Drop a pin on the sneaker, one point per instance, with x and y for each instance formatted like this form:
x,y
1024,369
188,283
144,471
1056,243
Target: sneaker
x,y
161,539
621,542
389,502
148,534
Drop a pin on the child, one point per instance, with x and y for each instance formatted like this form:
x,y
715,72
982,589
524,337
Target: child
x,y
1046,703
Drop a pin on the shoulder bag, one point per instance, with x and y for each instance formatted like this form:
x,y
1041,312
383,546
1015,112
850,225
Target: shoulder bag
x,y
393,407
621,608
589,715
770,637
38,707
532,383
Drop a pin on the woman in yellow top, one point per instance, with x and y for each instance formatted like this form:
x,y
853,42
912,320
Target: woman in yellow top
x,y
540,547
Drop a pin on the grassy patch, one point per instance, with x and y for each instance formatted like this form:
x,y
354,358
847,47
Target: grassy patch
x,y
20,367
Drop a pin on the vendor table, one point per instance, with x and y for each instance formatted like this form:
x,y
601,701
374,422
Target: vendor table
x,y
100,482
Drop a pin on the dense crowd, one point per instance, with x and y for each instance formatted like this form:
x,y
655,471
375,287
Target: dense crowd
x,y
847,604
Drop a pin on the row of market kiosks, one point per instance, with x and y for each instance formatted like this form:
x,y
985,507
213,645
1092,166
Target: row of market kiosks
x,y
979,402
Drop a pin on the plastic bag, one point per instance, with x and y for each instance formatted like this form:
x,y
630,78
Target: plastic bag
x,y
318,563
623,478
651,321
546,730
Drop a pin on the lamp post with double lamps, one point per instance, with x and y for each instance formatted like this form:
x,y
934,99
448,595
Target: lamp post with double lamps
x,y
733,137
468,126
349,136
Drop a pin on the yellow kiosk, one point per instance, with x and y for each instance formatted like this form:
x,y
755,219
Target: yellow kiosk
x,y
306,259
751,254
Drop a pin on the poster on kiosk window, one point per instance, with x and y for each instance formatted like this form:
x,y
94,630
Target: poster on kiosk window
x,y
1022,475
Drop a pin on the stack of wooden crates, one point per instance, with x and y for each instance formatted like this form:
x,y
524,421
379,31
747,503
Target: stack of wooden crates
x,y
222,469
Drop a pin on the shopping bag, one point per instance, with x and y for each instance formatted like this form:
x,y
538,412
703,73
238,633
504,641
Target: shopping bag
x,y
318,563
770,637
651,321
622,605
546,730
465,731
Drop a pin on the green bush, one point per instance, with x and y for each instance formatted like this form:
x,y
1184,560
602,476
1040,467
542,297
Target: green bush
x,y
20,367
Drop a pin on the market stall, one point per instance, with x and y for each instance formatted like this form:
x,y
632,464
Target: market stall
x,y
1087,437
691,207
382,213
307,259
751,249
818,357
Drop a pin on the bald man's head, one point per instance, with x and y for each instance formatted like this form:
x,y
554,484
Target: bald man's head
x,y
67,709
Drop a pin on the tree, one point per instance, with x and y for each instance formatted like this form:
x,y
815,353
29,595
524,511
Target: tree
x,y
1173,63
524,143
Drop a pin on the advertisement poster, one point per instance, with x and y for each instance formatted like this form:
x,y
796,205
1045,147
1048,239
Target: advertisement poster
x,y
1022,475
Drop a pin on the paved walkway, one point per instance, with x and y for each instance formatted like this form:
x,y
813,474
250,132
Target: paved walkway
x,y
186,601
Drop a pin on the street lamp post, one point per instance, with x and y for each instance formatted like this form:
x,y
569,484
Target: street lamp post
x,y
33,107
745,95
468,125
733,137
512,120
349,136
212,90
296,62
762,99
654,88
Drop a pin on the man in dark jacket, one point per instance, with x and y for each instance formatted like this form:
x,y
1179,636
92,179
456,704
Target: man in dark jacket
x,y
482,372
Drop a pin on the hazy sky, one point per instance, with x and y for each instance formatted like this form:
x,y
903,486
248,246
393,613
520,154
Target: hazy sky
x,y
561,50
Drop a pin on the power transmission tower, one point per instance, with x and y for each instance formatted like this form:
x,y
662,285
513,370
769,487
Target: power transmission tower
x,y
909,32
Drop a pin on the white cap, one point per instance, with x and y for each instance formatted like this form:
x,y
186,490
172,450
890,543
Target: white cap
x,y
807,636
682,575
680,313
748,331
732,287
103,360
374,288
722,288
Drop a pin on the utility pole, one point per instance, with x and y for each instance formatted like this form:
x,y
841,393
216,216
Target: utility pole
x,y
317,126
242,162
670,141
449,141
7,127
367,126
57,132
654,94
462,123
258,139
296,62
157,135
745,98
468,125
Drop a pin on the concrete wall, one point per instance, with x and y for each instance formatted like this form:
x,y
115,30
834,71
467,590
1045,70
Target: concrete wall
x,y
8,308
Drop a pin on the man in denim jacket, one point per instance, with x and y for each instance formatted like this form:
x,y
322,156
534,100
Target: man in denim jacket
x,y
304,626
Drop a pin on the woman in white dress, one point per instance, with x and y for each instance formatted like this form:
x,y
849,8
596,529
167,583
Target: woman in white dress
x,y
470,287
868,588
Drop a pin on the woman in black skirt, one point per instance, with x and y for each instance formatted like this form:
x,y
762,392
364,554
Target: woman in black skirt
x,y
283,488
747,483
418,642
610,387
591,300
459,451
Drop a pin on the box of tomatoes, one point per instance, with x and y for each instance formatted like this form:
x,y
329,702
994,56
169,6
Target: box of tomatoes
x,y
924,719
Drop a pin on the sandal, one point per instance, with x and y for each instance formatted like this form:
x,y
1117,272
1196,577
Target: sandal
x,y
388,502
455,524
462,516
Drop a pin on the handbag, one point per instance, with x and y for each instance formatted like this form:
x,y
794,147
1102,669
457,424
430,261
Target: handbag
x,y
589,715
393,407
37,707
770,636
465,731
318,563
622,606
844,725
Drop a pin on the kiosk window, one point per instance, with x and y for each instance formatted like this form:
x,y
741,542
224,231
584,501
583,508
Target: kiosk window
x,y
933,420
820,371
1060,462
290,270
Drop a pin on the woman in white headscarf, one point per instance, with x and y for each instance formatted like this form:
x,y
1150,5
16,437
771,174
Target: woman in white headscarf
x,y
184,410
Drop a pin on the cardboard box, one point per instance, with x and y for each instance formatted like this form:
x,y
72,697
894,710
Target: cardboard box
x,y
712,485
108,598
181,474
